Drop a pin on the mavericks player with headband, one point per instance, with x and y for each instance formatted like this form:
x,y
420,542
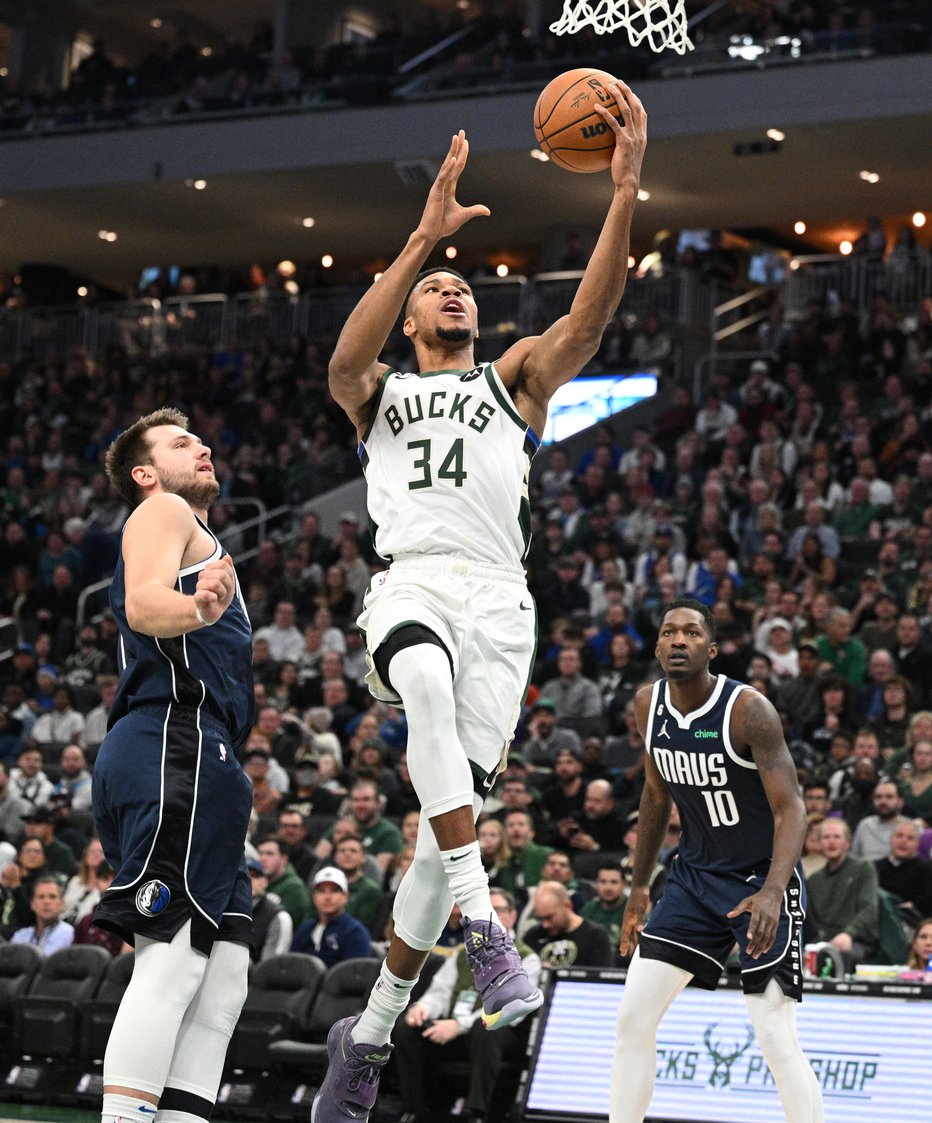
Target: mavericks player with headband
x,y
450,627
715,747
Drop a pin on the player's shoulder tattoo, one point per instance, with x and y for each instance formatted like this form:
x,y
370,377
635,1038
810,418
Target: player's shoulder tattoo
x,y
758,728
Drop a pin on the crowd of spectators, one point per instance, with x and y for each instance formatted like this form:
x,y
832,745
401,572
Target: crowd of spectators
x,y
179,78
795,500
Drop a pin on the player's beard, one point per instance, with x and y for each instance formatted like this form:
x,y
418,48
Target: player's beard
x,y
455,335
198,493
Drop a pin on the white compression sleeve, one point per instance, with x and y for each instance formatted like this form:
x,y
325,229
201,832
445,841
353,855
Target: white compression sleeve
x,y
773,1016
201,1045
650,988
164,981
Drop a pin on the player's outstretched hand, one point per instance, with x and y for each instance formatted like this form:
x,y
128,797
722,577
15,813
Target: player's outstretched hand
x,y
443,215
765,916
216,584
630,134
633,920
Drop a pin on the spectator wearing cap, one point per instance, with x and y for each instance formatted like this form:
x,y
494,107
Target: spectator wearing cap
x,y
265,797
13,809
800,696
48,932
87,662
282,635
24,667
562,593
306,797
546,738
334,936
880,630
661,555
577,699
40,824
27,780
62,723
272,927
63,825
563,796
775,639
75,779
283,879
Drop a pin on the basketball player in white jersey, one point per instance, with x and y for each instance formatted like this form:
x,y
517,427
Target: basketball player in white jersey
x,y
450,628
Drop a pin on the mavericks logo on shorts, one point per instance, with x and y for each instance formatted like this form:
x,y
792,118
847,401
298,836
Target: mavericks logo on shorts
x,y
153,898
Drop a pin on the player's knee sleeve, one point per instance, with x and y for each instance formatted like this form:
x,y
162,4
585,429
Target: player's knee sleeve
x,y
650,988
165,979
424,901
200,1050
773,1016
437,762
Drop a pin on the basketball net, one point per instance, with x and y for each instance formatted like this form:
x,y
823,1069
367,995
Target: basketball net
x,y
642,19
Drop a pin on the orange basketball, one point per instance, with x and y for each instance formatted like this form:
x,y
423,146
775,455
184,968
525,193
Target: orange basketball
x,y
568,128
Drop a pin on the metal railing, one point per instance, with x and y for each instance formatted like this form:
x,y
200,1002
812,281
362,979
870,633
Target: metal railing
x,y
506,305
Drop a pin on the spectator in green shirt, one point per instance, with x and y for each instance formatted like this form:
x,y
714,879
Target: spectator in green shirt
x,y
380,837
839,651
523,870
608,905
284,881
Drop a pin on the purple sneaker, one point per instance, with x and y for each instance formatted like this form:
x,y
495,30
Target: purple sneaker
x,y
352,1081
501,980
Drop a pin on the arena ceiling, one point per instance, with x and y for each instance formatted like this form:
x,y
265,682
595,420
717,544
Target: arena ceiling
x,y
694,181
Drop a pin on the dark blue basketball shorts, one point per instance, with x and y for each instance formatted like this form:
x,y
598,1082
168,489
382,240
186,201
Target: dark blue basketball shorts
x,y
690,928
171,806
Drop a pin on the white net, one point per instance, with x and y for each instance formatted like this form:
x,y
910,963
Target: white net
x,y
652,20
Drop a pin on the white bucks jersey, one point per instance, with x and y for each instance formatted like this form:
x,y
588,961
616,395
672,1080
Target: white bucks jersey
x,y
446,458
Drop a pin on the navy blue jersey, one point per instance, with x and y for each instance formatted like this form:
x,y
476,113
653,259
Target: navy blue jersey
x,y
208,670
727,822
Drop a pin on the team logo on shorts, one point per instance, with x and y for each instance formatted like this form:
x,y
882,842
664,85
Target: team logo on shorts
x,y
153,898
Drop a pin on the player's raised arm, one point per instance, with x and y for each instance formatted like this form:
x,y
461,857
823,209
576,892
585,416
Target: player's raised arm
x,y
541,365
354,367
756,726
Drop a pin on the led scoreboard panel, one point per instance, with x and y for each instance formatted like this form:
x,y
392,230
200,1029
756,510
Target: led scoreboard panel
x,y
867,1043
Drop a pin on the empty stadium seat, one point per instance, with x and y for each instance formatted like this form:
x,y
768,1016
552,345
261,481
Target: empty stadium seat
x,y
344,991
281,993
100,1011
47,1018
18,966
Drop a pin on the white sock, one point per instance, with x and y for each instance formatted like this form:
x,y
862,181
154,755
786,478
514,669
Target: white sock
x,y
387,999
468,881
126,1109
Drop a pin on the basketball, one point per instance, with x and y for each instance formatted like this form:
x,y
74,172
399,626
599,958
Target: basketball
x,y
567,127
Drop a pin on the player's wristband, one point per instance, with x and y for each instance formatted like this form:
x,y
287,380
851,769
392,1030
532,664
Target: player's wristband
x,y
203,619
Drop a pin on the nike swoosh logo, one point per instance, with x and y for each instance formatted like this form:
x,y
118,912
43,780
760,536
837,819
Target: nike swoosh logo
x,y
525,607
147,1110
456,857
